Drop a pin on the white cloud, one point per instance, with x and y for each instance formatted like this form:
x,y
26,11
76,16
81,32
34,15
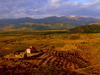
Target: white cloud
x,y
91,3
44,8
54,1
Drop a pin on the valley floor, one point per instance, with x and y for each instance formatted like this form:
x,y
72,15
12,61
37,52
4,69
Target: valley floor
x,y
73,53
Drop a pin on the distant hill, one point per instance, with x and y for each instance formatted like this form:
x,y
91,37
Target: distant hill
x,y
34,26
95,27
76,21
4,24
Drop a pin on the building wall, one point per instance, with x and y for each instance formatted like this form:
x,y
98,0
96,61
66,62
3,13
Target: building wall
x,y
28,50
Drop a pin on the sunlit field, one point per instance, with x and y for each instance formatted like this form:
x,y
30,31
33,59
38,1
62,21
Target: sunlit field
x,y
75,52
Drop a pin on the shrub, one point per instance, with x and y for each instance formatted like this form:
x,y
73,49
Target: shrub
x,y
74,37
84,42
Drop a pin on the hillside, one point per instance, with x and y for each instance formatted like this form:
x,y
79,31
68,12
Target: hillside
x,y
76,21
95,27
4,24
34,26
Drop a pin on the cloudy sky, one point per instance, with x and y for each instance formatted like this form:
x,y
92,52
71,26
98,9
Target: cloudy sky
x,y
46,8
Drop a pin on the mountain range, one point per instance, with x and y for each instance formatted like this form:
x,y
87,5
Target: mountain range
x,y
49,23
76,21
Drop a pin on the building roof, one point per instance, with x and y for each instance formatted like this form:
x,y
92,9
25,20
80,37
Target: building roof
x,y
33,48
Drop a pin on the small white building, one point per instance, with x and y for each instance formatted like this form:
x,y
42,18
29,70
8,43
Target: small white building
x,y
31,49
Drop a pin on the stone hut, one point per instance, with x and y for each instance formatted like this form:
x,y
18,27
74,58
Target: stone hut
x,y
31,49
